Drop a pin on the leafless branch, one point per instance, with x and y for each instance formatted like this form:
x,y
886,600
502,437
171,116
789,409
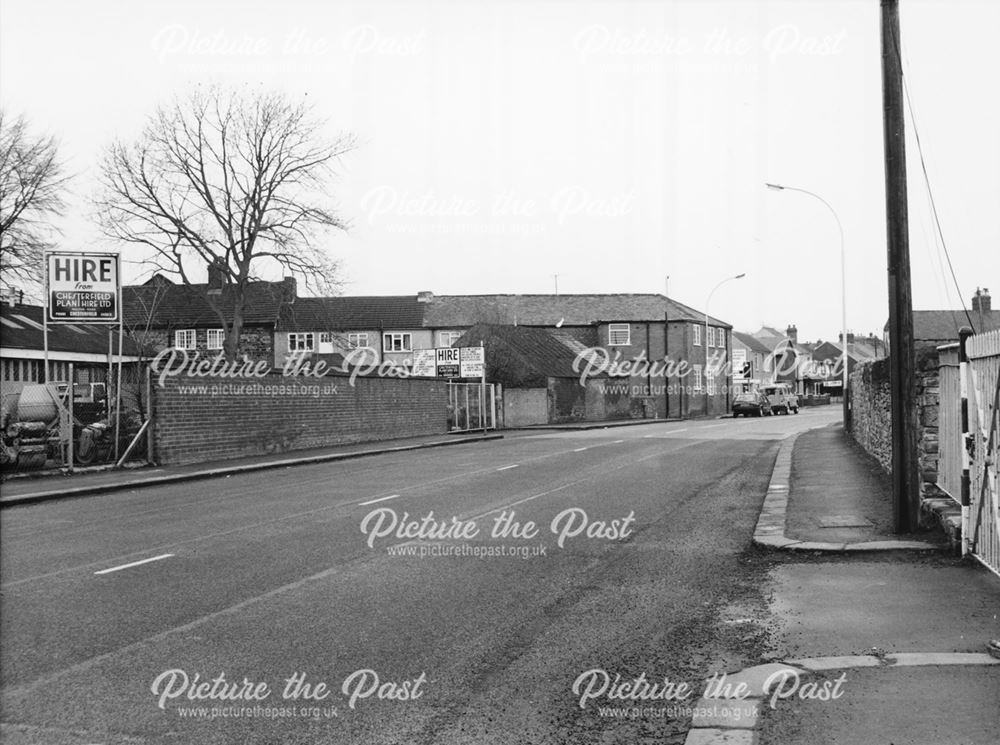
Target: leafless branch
x,y
232,180
32,183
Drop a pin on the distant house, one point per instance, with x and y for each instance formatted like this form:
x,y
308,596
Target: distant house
x,y
629,327
635,329
826,375
748,350
933,328
789,360
161,314
330,328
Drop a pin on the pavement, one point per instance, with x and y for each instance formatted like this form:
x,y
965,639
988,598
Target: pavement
x,y
880,638
33,488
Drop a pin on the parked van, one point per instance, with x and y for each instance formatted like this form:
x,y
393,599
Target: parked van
x,y
782,398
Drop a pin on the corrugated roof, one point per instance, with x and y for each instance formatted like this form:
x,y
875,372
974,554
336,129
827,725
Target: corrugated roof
x,y
445,311
357,312
22,328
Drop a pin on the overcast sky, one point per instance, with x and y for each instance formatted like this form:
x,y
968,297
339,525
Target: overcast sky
x,y
613,144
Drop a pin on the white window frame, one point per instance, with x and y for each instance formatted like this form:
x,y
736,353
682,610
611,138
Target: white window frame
x,y
710,382
696,339
697,377
614,328
220,335
296,338
389,339
324,342
357,340
190,342
448,338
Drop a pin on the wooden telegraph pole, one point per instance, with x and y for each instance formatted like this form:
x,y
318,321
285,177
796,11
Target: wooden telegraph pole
x,y
905,484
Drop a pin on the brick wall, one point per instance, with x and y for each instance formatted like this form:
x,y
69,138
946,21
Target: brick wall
x,y
275,414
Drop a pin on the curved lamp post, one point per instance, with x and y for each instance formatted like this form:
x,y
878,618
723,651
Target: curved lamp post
x,y
705,340
843,285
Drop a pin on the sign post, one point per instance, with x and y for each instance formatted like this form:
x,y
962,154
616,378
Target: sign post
x,y
84,287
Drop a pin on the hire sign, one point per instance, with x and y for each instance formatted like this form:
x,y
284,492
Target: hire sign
x,y
82,287
449,362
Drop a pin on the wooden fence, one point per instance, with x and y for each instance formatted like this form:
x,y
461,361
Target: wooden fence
x,y
983,351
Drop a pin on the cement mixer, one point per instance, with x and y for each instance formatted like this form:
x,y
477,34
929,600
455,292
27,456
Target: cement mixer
x,y
31,427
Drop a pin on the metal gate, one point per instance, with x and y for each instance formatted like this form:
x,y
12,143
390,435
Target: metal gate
x,y
470,405
983,351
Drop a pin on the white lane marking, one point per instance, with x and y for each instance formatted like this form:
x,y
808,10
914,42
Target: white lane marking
x,y
507,468
579,450
616,442
134,564
667,433
380,499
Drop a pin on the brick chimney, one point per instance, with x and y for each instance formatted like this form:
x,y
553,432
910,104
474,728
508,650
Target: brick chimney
x,y
981,301
425,296
792,333
289,290
217,272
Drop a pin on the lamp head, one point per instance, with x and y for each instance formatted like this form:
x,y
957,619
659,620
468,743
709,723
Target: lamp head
x,y
775,187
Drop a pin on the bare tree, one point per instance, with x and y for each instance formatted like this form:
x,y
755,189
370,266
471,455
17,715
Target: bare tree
x,y
232,180
31,188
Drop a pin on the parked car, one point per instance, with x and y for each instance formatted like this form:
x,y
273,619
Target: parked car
x,y
782,398
752,403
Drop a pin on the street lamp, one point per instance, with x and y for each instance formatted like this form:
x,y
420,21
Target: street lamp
x,y
843,286
705,340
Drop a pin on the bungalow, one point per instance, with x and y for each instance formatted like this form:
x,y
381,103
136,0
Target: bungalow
x,y
539,372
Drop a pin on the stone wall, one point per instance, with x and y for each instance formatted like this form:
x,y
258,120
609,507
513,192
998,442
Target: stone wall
x,y
928,392
871,420
871,415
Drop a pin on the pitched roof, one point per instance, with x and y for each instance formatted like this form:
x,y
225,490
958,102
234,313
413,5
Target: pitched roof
x,y
943,325
22,328
447,311
831,350
540,353
344,313
162,304
752,343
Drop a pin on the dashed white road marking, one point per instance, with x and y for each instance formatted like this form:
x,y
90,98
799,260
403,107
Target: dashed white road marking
x,y
380,499
579,450
507,468
134,564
